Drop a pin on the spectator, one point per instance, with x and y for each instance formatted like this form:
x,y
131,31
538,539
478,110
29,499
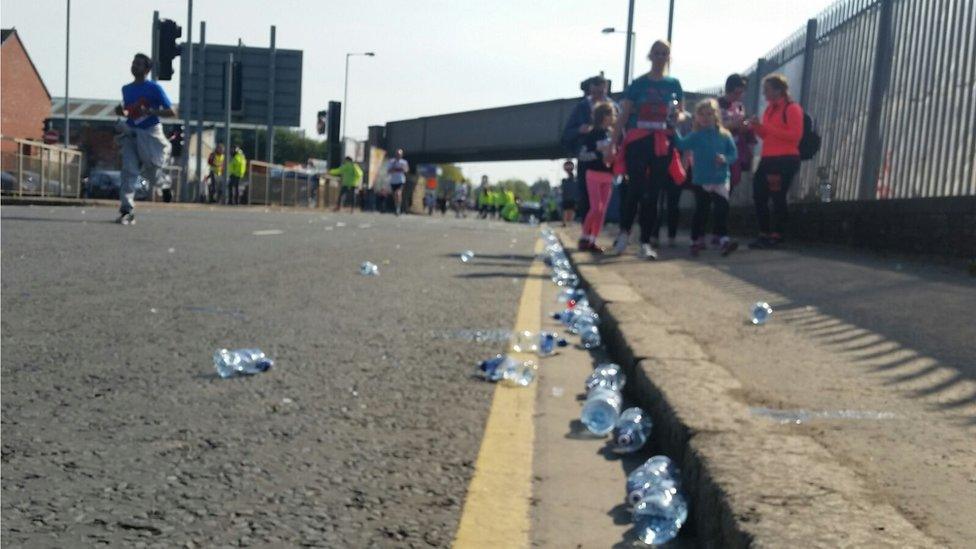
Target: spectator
x,y
235,170
216,164
351,175
650,104
779,159
579,124
596,160
715,151
144,146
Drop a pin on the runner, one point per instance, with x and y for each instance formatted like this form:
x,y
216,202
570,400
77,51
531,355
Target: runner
x,y
567,189
780,130
144,146
398,168
460,204
650,103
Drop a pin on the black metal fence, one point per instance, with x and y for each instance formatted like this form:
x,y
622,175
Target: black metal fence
x,y
891,85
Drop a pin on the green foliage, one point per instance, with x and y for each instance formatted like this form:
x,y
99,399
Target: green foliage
x,y
451,172
289,146
517,186
541,188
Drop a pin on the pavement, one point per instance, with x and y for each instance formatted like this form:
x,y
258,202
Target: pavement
x,y
846,420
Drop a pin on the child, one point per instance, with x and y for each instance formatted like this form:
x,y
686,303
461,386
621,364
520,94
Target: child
x,y
596,159
714,151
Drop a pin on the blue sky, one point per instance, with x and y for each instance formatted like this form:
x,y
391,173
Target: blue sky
x,y
432,56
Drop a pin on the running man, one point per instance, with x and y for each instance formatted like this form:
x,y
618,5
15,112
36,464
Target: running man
x,y
398,168
144,146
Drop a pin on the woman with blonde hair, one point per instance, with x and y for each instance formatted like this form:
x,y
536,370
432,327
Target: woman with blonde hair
x,y
650,105
714,151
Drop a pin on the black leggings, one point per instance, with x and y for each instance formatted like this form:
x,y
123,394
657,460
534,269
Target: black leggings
x,y
647,174
668,202
720,213
772,181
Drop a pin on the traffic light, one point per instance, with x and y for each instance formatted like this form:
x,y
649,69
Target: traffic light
x,y
236,93
167,48
333,138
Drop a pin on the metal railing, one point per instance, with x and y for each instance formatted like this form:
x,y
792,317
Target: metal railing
x,y
891,85
175,176
38,169
274,184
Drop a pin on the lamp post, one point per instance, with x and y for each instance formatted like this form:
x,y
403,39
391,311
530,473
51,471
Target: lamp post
x,y
629,60
345,92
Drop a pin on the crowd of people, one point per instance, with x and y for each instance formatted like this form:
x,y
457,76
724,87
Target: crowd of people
x,y
648,143
655,149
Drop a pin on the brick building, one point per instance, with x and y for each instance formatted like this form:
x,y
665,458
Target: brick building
x,y
24,100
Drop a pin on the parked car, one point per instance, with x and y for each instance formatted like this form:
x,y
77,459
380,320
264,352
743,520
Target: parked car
x,y
31,184
106,184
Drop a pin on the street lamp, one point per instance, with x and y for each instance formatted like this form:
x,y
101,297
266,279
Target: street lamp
x,y
629,65
345,93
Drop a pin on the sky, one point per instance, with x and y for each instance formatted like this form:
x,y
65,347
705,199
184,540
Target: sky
x,y
432,56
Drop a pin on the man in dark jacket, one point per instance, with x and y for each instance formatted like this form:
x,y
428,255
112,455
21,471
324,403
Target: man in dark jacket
x,y
579,124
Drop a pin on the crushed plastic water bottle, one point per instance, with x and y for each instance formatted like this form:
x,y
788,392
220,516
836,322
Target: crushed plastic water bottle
x,y
368,268
525,341
761,312
659,516
241,362
601,410
509,370
631,431
566,278
466,256
652,474
548,341
570,294
590,337
533,221
608,376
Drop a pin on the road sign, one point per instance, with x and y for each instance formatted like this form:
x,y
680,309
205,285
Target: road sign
x,y
254,66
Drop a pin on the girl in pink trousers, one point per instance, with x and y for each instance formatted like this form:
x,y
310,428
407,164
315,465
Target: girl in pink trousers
x,y
596,160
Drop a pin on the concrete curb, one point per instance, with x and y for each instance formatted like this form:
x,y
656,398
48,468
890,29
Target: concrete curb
x,y
751,482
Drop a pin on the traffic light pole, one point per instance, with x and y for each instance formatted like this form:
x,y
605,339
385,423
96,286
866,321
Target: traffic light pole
x,y
185,101
203,69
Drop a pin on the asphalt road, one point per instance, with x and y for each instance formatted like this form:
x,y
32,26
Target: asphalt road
x,y
117,431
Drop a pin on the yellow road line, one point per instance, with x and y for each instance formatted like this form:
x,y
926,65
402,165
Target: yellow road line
x,y
496,509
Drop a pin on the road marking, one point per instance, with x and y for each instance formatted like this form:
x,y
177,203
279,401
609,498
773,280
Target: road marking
x,y
496,508
267,232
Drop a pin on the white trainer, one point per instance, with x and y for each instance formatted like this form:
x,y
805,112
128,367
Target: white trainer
x,y
647,252
620,244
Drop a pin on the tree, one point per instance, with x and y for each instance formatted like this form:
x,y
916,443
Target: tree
x,y
289,146
541,187
517,186
451,172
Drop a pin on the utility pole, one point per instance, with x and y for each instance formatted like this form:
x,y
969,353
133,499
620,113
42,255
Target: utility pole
x,y
155,43
630,43
271,97
67,65
670,19
228,92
